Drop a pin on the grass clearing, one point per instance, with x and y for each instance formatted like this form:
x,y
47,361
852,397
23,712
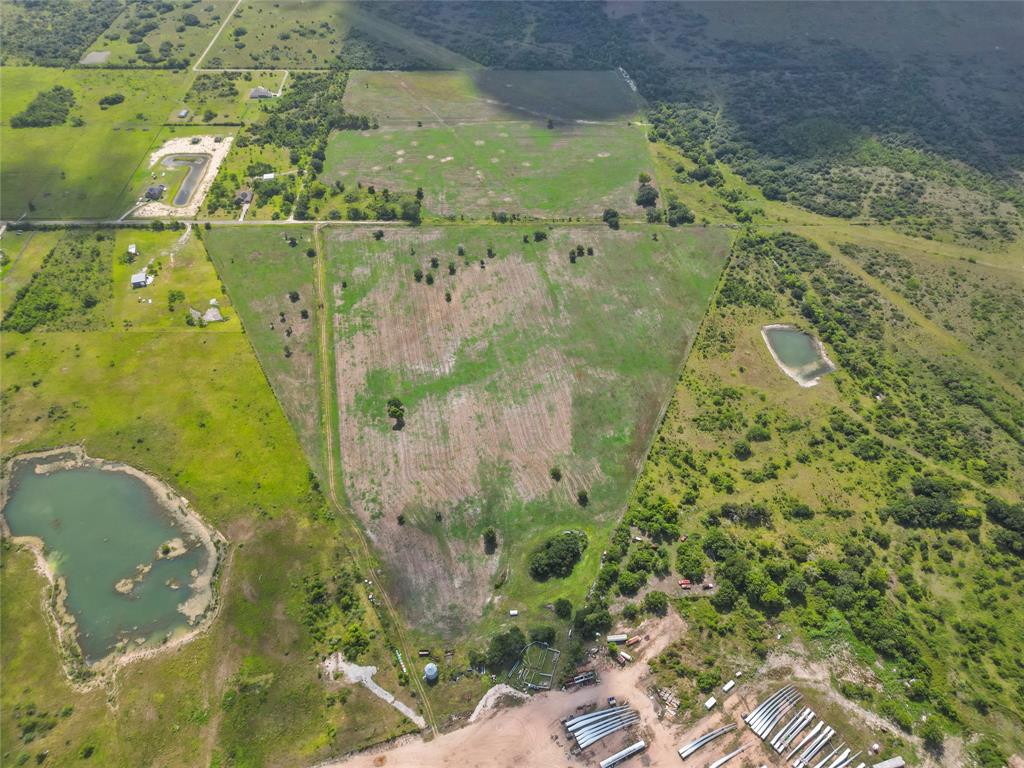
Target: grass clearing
x,y
491,95
87,177
480,142
514,167
261,269
534,363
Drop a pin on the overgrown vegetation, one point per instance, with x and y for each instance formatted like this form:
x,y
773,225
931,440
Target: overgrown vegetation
x,y
46,109
70,291
52,33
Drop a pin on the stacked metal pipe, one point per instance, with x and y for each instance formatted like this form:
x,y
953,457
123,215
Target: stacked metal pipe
x,y
767,715
591,728
723,760
707,738
792,729
807,739
812,749
618,757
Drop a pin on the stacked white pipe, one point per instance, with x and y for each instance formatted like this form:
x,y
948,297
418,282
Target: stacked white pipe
x,y
763,719
688,749
591,728
792,729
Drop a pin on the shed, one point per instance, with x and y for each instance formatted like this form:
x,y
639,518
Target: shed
x,y
710,703
141,279
183,114
132,249
259,92
513,612
729,686
621,638
430,672
267,176
892,762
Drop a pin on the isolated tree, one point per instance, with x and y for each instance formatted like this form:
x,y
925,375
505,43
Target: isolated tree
x,y
644,178
611,218
311,252
417,274
646,196
582,498
563,608
378,234
490,540
556,474
396,411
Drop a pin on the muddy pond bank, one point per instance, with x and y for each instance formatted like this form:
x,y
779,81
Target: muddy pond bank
x,y
131,566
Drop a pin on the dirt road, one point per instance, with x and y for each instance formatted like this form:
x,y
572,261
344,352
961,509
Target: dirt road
x,y
531,734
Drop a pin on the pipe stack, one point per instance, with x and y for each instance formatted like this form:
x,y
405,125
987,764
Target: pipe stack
x,y
707,738
767,715
722,761
792,729
589,729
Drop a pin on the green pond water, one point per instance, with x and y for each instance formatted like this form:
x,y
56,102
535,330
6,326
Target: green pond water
x,y
797,350
97,526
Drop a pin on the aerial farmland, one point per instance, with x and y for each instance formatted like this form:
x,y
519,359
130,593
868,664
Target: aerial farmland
x,y
504,384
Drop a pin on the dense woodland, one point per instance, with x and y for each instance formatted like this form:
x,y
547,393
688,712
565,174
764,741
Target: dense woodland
x,y
811,122
52,33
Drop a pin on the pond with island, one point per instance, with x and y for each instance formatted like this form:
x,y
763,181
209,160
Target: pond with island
x,y
132,568
800,355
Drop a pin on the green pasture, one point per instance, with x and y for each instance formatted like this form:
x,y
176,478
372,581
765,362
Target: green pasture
x,y
437,98
540,144
226,107
80,172
473,169
260,268
187,40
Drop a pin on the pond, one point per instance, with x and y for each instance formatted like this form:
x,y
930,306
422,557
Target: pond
x,y
133,568
801,356
197,168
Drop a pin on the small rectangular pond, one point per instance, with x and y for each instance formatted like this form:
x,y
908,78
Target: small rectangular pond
x,y
801,356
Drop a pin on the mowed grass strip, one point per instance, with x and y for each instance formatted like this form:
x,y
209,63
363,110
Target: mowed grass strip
x,y
511,366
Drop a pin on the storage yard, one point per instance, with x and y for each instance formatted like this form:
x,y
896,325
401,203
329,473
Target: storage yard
x,y
609,715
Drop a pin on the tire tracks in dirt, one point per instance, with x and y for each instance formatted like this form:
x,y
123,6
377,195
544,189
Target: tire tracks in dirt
x,y
327,398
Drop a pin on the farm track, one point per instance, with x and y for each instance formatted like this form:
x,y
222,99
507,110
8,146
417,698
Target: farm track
x,y
328,398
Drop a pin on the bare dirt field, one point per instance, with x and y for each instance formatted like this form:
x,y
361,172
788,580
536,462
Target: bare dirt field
x,y
506,366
